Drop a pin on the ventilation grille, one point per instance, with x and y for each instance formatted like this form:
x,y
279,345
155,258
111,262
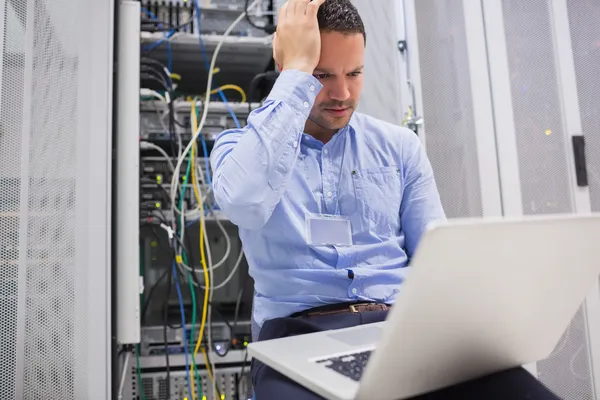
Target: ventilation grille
x,y
11,125
585,36
543,166
567,371
448,105
537,110
38,138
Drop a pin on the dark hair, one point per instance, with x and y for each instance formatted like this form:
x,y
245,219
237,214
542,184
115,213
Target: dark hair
x,y
340,16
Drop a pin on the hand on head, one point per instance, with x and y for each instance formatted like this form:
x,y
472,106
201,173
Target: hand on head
x,y
297,42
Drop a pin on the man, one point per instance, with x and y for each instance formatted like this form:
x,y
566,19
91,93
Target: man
x,y
330,203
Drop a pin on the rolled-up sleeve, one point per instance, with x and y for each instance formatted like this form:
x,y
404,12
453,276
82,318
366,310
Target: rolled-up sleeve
x,y
252,166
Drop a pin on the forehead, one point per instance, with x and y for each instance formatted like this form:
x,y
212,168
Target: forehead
x,y
341,52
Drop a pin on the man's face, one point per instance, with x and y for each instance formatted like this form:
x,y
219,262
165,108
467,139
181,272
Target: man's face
x,y
340,73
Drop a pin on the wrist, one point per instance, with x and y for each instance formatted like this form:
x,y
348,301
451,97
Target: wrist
x,y
299,66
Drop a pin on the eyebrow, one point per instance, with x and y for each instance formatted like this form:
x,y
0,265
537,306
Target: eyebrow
x,y
329,72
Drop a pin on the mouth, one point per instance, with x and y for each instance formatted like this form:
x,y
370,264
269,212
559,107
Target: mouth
x,y
338,112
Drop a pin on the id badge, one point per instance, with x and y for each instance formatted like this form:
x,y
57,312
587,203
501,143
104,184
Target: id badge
x,y
328,230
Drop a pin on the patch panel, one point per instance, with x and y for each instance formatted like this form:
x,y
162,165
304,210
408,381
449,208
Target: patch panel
x,y
154,126
153,339
233,383
216,15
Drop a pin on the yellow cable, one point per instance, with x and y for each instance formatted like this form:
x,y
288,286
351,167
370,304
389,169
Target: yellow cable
x,y
198,196
175,76
204,267
231,87
193,384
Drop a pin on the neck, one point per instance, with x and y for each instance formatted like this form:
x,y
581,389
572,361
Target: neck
x,y
320,133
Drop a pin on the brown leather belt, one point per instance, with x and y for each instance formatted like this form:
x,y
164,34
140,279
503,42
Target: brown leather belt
x,y
343,308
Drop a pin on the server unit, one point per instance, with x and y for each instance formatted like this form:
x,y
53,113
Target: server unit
x,y
177,45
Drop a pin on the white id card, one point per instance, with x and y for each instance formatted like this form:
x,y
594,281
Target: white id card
x,y
328,230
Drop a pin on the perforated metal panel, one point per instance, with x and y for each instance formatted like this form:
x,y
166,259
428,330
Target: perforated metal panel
x,y
584,21
45,232
11,103
537,109
381,97
567,371
543,165
448,105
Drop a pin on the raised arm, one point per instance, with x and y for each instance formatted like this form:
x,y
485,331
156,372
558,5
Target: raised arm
x,y
253,165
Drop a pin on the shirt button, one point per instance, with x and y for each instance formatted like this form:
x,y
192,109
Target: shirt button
x,y
295,144
329,194
312,88
354,291
326,151
306,104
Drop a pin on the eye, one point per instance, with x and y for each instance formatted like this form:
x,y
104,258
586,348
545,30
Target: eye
x,y
355,73
321,76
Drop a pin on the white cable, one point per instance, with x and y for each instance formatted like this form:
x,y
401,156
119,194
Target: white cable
x,y
177,170
144,92
225,257
207,101
161,117
124,375
227,244
210,297
151,146
232,273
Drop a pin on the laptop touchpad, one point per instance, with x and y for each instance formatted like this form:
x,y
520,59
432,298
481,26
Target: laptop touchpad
x,y
358,337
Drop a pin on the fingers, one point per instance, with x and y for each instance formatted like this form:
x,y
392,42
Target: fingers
x,y
300,7
282,13
292,9
313,7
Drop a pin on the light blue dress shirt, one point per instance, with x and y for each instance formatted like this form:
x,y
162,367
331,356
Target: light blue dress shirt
x,y
269,175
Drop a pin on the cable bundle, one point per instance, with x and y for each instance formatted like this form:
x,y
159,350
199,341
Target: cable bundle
x,y
200,283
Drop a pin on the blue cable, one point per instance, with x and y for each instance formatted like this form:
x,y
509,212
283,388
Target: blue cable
x,y
207,165
185,346
202,48
159,42
233,116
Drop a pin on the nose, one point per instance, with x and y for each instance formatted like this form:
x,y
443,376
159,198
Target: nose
x,y
339,90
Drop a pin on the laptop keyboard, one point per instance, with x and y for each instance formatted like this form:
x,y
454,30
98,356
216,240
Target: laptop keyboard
x,y
351,365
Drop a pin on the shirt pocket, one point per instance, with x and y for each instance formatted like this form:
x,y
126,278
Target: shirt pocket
x,y
378,193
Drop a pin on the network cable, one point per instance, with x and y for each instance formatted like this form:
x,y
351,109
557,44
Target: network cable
x,y
171,27
206,103
139,373
205,265
204,244
206,63
183,328
124,374
269,29
167,37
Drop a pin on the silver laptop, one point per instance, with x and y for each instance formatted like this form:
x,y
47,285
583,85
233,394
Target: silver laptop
x,y
481,297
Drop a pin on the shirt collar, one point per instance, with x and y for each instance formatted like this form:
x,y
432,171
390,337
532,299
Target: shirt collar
x,y
349,129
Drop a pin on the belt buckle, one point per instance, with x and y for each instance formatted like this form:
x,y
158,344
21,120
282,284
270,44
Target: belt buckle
x,y
353,308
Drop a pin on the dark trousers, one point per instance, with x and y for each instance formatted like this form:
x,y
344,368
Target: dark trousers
x,y
268,384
